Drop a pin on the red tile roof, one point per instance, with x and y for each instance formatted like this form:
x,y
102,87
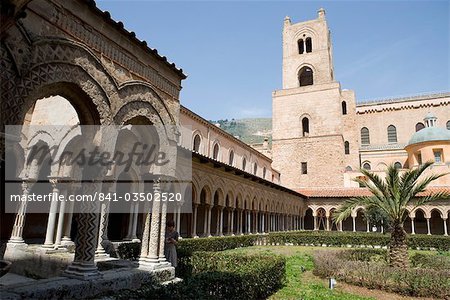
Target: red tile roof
x,y
355,192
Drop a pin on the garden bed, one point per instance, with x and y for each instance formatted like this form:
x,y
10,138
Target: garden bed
x,y
429,275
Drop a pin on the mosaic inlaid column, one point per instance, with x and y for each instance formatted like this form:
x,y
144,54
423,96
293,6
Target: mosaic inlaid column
x,y
162,232
83,267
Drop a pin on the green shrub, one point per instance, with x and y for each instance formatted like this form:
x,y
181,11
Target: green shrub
x,y
422,260
374,255
426,282
236,275
220,276
333,238
130,251
216,243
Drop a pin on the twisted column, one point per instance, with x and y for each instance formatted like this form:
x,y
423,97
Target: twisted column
x,y
19,222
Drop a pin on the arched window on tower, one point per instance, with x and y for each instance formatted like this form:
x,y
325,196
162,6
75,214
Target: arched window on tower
x,y
347,147
448,124
244,163
231,158
398,165
305,76
365,136
301,46
419,126
255,169
392,134
344,107
196,144
216,151
305,126
308,45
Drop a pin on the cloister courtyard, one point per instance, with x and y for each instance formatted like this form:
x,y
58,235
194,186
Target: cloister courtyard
x,y
112,188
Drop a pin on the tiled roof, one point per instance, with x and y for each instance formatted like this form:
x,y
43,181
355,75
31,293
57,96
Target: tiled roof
x,y
355,192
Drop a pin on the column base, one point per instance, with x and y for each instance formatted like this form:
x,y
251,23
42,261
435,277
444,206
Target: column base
x,y
152,264
101,253
14,250
81,271
16,240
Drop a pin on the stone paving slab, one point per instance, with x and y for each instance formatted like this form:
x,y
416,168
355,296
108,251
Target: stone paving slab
x,y
12,279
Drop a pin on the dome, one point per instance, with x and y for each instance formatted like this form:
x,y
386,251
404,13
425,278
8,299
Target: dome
x,y
430,134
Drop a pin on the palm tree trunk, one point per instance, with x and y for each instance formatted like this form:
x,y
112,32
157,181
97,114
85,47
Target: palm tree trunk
x,y
398,252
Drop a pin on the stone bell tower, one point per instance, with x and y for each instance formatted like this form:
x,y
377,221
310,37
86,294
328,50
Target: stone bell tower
x,y
313,119
307,45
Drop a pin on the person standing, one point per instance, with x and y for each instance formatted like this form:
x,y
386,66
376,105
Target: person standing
x,y
170,250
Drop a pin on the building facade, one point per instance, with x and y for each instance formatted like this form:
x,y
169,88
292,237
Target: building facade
x,y
322,136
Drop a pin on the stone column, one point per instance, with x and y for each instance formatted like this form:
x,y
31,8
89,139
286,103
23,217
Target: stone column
x,y
428,226
315,222
150,239
232,222
178,220
19,222
135,216
130,222
354,224
205,221
221,222
61,217
262,223
66,240
83,267
162,232
412,226
445,226
368,225
340,226
256,222
52,214
104,211
328,223
249,222
209,221
240,212
218,221
194,221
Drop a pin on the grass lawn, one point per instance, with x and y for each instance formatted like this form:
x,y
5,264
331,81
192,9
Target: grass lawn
x,y
304,285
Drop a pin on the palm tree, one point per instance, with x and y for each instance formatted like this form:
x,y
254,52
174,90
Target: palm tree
x,y
392,195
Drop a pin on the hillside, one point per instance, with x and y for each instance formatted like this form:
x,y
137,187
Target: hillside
x,y
250,131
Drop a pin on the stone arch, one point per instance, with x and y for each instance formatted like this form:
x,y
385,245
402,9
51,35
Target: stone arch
x,y
52,72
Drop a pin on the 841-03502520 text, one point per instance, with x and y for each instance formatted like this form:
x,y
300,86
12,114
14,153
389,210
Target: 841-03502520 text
x,y
101,197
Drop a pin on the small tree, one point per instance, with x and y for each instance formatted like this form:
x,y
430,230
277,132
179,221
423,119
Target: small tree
x,y
392,196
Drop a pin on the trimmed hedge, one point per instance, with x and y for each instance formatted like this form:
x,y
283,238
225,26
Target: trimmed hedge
x,y
367,269
130,251
333,238
217,243
221,275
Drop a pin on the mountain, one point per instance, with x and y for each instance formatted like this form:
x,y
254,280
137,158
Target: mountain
x,y
250,131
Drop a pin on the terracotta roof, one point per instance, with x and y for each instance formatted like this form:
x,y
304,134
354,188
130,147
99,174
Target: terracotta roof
x,y
333,192
355,192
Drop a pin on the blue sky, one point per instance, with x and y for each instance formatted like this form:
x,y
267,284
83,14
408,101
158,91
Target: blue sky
x,y
232,54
